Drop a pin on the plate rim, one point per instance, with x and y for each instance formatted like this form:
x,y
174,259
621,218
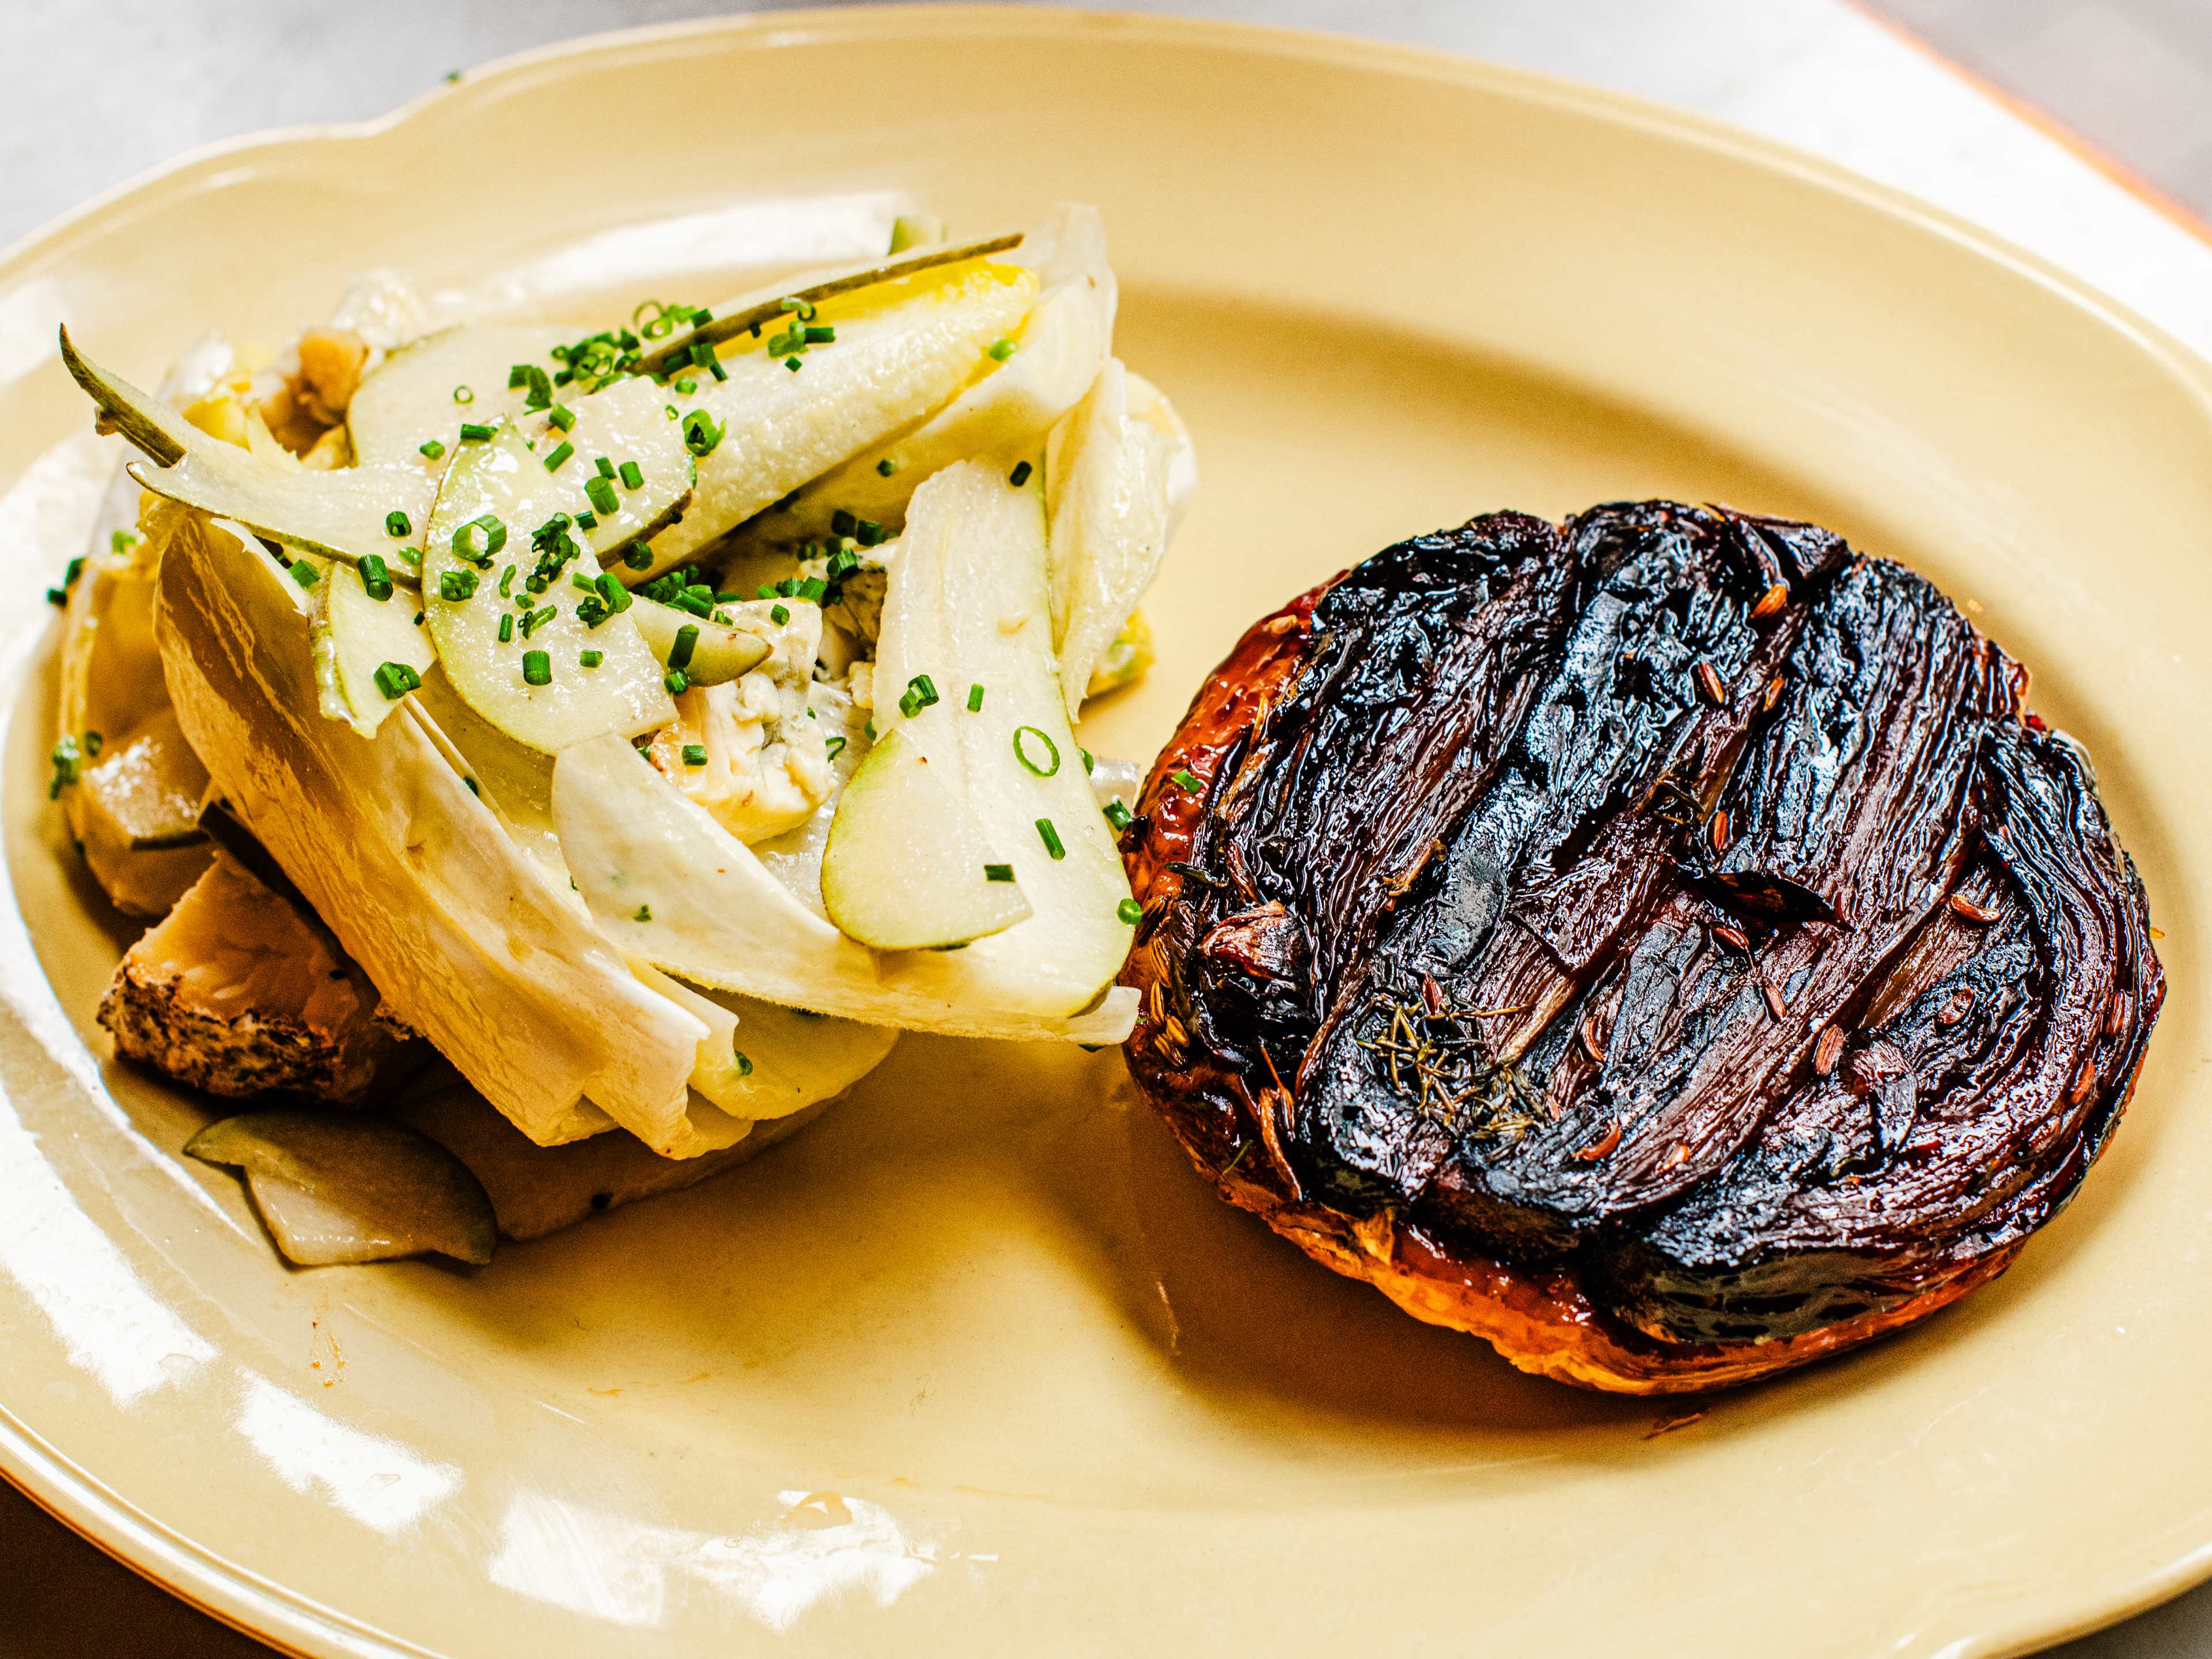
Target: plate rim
x,y
293,1622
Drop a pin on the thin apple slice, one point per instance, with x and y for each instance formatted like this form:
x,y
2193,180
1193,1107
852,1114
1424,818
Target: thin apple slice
x,y
343,1187
344,514
362,642
1005,413
423,390
473,942
908,866
1106,477
901,349
672,887
965,663
497,498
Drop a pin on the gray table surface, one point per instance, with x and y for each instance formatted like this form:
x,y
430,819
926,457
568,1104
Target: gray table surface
x,y
100,93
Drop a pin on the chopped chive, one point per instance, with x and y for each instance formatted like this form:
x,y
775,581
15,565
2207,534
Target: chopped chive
x,y
1050,837
1130,911
867,532
65,757
687,640
577,579
395,524
745,1064
601,493
537,619
396,680
702,432
695,754
1184,779
118,541
479,539
507,583
998,872
842,523
781,613
1000,349
821,335
920,692
433,449
560,456
676,683
814,590
473,788
889,464
975,698
375,576
505,630
1035,768
631,474
644,913
1020,475
591,659
537,668
587,521
418,619
304,573
603,466
463,395
613,594
833,747
474,432
687,385
1090,761
454,585
1117,815
561,415
792,364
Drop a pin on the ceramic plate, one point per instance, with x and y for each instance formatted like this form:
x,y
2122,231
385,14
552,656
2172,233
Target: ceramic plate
x,y
975,1364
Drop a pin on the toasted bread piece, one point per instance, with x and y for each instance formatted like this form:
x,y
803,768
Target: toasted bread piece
x,y
241,992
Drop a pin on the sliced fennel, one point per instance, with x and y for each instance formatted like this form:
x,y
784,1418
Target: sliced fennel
x,y
497,496
469,938
347,514
417,395
902,349
1106,477
672,887
909,865
966,618
1005,413
356,635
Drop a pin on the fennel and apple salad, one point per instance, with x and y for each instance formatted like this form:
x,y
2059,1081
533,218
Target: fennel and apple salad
x,y
645,719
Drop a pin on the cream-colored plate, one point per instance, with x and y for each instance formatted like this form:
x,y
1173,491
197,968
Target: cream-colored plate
x,y
976,1366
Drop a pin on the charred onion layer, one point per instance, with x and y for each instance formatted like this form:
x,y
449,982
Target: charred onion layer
x,y
1662,945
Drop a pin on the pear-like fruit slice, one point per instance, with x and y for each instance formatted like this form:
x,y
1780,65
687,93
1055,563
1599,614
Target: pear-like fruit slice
x,y
340,1186
716,653
424,391
1106,477
966,665
496,498
1004,414
750,313
777,420
346,513
671,886
908,866
360,641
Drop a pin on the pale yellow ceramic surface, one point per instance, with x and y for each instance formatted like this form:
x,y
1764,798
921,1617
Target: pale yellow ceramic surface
x,y
976,1366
